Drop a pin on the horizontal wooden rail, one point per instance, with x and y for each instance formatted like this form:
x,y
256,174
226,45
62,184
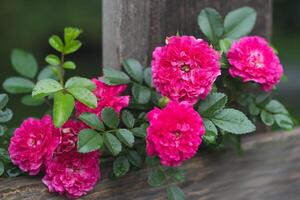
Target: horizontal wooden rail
x,y
269,169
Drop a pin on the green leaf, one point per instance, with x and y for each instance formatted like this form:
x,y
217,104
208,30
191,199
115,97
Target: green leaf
x,y
88,141
28,100
134,69
62,108
71,33
261,99
1,168
69,65
45,87
239,22
148,77
211,24
175,173
125,136
92,121
110,117
233,121
24,63
253,109
275,106
18,85
213,102
56,43
72,46
84,96
128,118
225,44
283,121
175,193
2,132
134,158
156,177
141,93
3,100
267,118
152,161
114,77
140,131
112,143
80,82
45,73
5,115
211,132
121,166
52,59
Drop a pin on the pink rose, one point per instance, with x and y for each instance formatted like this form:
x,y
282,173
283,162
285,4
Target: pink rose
x,y
174,134
185,68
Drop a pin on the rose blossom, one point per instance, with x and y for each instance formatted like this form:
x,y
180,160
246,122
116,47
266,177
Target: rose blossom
x,y
252,59
33,143
108,96
185,68
174,133
69,172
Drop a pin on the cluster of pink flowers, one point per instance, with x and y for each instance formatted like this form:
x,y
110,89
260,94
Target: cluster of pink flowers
x,y
37,146
252,59
174,133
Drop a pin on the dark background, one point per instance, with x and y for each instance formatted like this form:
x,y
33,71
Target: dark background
x,y
27,24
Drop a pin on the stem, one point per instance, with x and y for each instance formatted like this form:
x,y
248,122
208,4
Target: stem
x,y
61,69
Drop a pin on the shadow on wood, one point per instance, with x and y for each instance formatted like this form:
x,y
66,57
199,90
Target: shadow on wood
x,y
269,169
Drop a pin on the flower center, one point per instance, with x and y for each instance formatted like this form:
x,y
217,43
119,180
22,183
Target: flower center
x,y
177,134
256,59
185,68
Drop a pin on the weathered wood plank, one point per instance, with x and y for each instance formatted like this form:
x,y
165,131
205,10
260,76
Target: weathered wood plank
x,y
133,28
269,169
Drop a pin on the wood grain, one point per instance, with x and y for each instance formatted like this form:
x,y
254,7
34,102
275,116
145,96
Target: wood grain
x,y
269,169
133,28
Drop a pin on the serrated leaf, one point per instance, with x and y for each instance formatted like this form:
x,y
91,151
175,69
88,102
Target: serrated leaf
x,y
148,77
283,121
72,46
62,108
213,102
121,166
110,117
52,59
233,121
175,193
267,118
69,65
134,69
5,115
114,77
239,22
156,177
84,96
211,24
18,85
47,73
71,33
77,81
28,100
125,136
140,131
112,143
3,100
141,93
56,43
88,141
275,106
211,132
92,120
128,118
24,63
134,158
45,87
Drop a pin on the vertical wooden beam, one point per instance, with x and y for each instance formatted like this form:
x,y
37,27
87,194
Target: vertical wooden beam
x,y
133,28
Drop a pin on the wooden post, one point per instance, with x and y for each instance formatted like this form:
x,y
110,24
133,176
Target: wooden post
x,y
133,28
